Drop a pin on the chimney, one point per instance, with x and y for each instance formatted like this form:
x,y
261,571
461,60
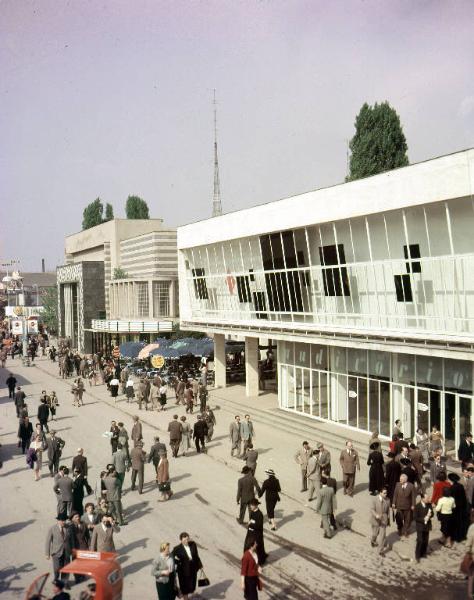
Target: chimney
x,y
42,265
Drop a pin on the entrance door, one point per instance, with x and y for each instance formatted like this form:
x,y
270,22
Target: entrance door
x,y
457,419
428,409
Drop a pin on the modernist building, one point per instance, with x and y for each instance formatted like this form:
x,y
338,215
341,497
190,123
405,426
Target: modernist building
x,y
368,288
135,294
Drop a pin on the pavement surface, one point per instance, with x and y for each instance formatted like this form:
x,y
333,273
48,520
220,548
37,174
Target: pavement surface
x,y
302,565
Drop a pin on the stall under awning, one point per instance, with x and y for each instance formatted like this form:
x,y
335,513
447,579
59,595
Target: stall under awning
x,y
131,349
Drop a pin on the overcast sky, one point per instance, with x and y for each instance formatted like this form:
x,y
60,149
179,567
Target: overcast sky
x,y
114,98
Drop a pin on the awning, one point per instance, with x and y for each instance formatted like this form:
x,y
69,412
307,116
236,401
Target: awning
x,y
131,349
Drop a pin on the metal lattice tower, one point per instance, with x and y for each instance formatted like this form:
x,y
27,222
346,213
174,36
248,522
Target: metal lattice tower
x,y
216,204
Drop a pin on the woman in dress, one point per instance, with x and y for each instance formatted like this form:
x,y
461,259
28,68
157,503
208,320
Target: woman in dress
x,y
445,508
53,404
422,441
376,474
129,390
250,571
114,388
271,488
162,392
185,436
436,441
163,571
37,446
188,564
163,478
460,513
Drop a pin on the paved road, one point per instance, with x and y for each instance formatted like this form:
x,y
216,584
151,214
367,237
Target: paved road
x,y
303,566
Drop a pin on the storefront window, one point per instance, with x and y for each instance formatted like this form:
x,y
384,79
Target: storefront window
x,y
324,394
379,365
458,375
405,373
357,362
319,357
429,371
338,360
302,353
385,408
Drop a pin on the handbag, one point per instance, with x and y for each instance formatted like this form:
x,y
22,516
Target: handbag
x,y
164,487
466,564
203,581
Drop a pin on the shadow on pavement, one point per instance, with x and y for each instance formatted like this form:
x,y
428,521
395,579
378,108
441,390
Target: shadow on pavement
x,y
10,574
183,493
137,566
218,590
288,518
14,527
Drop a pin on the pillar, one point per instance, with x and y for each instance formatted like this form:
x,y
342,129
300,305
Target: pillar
x,y
151,300
219,360
251,366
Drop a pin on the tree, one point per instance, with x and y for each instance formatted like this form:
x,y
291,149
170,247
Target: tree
x,y
379,143
109,212
92,214
119,273
136,208
49,314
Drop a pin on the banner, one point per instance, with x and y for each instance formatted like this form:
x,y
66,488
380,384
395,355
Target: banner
x,y
32,325
17,327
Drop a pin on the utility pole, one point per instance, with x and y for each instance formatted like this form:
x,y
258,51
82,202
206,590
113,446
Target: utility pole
x,y
216,204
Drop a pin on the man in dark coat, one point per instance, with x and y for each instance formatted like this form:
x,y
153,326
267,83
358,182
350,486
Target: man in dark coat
x,y
187,568
79,484
255,531
176,431
404,503
422,516
55,446
466,449
43,414
393,471
199,434
19,400
246,487
57,545
154,455
137,458
11,383
64,487
114,430
25,431
79,463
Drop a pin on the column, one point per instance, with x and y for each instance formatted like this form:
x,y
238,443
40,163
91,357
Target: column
x,y
172,299
251,366
219,360
150,300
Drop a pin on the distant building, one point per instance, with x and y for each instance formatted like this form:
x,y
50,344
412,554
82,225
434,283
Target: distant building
x,y
34,287
99,311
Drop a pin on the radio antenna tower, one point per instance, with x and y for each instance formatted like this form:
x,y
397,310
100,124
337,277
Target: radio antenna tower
x,y
216,204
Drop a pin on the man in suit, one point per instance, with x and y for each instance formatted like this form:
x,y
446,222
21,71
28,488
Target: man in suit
x,y
349,461
404,503
137,458
313,475
11,383
176,431
114,430
102,539
19,400
154,454
114,494
235,434
199,434
57,545
246,487
142,393
302,457
325,506
64,486
79,463
422,516
121,463
251,457
55,446
324,458
43,414
466,449
416,458
332,483
247,432
136,434
436,466
379,519
255,531
79,533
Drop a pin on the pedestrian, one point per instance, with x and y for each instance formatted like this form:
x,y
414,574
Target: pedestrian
x,y
302,457
114,388
162,394
235,434
53,404
313,475
379,519
163,478
203,395
89,518
189,398
438,487
36,453
250,570
180,388
255,530
393,470
137,434
137,459
11,383
175,430
114,494
247,432
3,356
421,440
199,434
271,489
466,449
54,446
460,512
19,400
123,438
246,487
349,461
114,431
185,436
80,537
80,487
121,463
154,397
436,441
404,503
63,487
142,392
416,458
422,516
324,458
445,508
43,415
325,506
154,454
57,546
102,539
79,463
376,474
251,458
129,390
25,431
163,570
397,429
210,419
188,564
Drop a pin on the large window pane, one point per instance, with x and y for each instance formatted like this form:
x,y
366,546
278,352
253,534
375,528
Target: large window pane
x,y
315,394
362,402
352,395
385,426
374,405
324,394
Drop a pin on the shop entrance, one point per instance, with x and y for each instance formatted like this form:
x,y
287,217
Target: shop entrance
x,y
457,419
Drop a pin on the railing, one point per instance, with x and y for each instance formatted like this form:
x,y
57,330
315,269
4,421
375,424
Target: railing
x,y
131,326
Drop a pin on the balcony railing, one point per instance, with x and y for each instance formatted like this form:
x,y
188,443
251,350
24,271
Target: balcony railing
x,y
116,326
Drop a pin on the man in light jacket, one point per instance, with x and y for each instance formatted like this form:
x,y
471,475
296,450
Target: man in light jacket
x,y
379,519
326,506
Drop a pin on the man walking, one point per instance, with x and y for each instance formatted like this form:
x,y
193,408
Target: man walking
x,y
251,457
55,446
57,545
404,503
313,475
79,463
114,435
43,415
154,454
247,433
326,506
349,460
19,400
11,383
176,431
199,434
114,494
246,487
121,463
235,434
422,516
379,519
302,457
63,486
324,458
255,531
136,434
137,457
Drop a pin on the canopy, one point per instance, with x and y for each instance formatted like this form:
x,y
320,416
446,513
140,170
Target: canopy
x,y
145,352
131,349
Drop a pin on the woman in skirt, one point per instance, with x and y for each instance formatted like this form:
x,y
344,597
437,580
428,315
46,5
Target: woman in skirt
x,y
271,488
445,508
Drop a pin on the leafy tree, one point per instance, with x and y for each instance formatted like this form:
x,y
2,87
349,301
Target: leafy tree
x,y
379,143
49,314
136,208
92,214
109,212
119,273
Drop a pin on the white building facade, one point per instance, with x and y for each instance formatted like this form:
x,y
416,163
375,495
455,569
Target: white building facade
x,y
367,287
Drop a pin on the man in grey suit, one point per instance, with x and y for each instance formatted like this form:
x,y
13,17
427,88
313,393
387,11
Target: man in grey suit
x,y
302,457
251,457
55,447
235,434
114,494
349,461
57,545
137,458
326,506
120,462
313,474
379,519
404,502
63,486
102,539
154,455
246,487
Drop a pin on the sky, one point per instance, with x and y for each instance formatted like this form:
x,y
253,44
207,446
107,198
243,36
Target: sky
x,y
111,98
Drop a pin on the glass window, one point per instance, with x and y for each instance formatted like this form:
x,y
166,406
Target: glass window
x,y
429,371
161,298
352,395
362,403
379,364
288,353
319,357
406,369
385,428
458,375
323,394
338,360
315,394
142,299
302,352
374,405
357,361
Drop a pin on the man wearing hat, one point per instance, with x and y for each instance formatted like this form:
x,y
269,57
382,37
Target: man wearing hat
x,y
59,593
137,458
246,487
255,530
58,545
